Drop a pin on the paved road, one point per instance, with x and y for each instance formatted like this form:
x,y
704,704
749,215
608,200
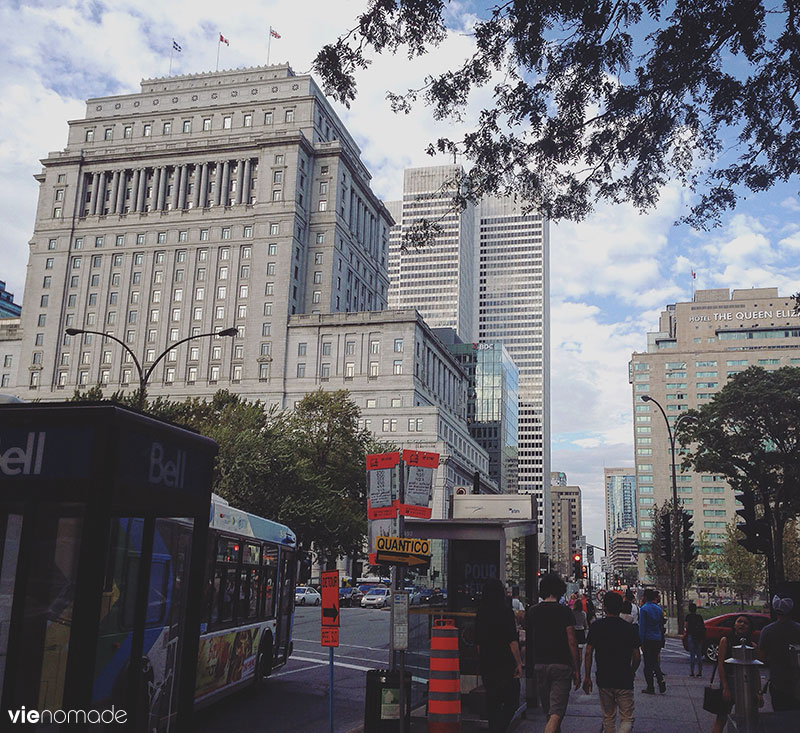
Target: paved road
x,y
295,697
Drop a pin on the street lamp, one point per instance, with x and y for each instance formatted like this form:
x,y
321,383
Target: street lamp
x,y
676,523
144,375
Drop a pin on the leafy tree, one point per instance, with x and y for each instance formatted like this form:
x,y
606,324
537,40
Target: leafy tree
x,y
749,434
791,549
602,100
658,570
741,571
325,501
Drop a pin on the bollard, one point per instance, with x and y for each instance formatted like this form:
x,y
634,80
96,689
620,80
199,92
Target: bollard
x,y
747,681
444,685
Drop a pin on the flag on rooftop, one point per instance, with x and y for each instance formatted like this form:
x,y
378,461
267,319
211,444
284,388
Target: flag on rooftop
x,y
274,33
224,40
176,46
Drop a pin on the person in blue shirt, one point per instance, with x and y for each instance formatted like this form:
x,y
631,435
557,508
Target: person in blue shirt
x,y
651,634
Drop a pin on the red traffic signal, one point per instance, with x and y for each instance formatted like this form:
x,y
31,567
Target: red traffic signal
x,y
576,557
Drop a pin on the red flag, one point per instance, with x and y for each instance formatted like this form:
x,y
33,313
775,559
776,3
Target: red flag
x,y
224,40
694,275
274,33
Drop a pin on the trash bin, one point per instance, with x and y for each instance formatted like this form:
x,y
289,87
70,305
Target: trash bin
x,y
382,704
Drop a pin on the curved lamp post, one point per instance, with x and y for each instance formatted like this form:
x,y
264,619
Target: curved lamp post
x,y
144,374
677,547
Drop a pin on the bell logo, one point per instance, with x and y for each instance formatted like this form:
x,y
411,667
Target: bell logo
x,y
169,472
27,461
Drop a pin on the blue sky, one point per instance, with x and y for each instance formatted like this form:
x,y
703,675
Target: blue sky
x,y
611,274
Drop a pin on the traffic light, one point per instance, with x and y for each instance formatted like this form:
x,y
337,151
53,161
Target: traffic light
x,y
687,535
665,535
756,532
577,565
585,572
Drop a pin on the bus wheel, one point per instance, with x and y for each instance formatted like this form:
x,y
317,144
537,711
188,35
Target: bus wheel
x,y
264,659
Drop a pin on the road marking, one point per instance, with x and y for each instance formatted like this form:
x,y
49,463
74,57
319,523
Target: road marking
x,y
358,667
315,642
293,671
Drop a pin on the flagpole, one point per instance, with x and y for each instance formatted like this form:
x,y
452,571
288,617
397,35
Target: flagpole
x,y
219,42
171,50
269,43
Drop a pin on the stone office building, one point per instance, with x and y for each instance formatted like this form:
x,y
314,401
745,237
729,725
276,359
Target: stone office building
x,y
697,347
227,199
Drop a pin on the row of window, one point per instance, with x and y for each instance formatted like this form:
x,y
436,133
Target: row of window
x,y
350,369
186,125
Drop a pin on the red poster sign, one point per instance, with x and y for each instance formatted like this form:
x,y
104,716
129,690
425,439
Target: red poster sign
x,y
330,599
330,636
421,458
382,460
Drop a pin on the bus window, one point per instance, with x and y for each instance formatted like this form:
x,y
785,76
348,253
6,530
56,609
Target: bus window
x,y
269,577
228,594
252,555
157,597
227,550
244,593
215,593
255,592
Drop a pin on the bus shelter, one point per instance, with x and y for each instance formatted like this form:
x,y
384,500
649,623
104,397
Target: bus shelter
x,y
103,525
477,550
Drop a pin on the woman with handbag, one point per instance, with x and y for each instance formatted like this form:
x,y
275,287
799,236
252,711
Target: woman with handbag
x,y
498,655
742,629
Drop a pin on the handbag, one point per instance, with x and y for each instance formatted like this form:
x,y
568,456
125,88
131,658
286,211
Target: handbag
x,y
712,696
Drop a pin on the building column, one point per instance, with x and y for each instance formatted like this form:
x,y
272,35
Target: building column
x,y
112,200
240,182
244,195
123,183
196,192
218,184
101,194
176,174
162,189
155,189
95,191
226,183
182,186
135,190
202,193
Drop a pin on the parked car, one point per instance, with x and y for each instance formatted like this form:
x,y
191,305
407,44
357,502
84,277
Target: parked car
x,y
720,626
349,596
306,596
376,598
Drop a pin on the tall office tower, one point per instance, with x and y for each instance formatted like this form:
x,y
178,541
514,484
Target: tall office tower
x,y
440,280
514,307
494,271
492,405
202,202
558,478
566,524
620,486
699,345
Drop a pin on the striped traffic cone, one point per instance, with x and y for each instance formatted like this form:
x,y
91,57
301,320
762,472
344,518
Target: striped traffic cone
x,y
444,685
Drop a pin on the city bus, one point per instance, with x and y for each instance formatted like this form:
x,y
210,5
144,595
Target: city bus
x,y
246,631
247,611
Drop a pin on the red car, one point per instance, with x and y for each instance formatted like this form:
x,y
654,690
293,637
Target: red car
x,y
720,626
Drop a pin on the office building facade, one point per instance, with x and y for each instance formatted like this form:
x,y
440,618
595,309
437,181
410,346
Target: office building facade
x,y
566,526
492,404
697,347
8,308
621,514
506,289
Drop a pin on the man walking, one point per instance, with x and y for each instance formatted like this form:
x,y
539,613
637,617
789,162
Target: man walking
x,y
550,631
617,646
695,636
651,634
774,651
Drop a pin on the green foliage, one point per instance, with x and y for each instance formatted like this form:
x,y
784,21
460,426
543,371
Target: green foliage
x,y
658,570
737,569
750,434
587,104
305,468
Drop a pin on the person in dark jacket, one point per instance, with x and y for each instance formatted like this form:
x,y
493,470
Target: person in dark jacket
x,y
695,638
498,655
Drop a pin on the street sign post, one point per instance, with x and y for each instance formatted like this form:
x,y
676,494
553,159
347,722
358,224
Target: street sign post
x,y
399,633
329,629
